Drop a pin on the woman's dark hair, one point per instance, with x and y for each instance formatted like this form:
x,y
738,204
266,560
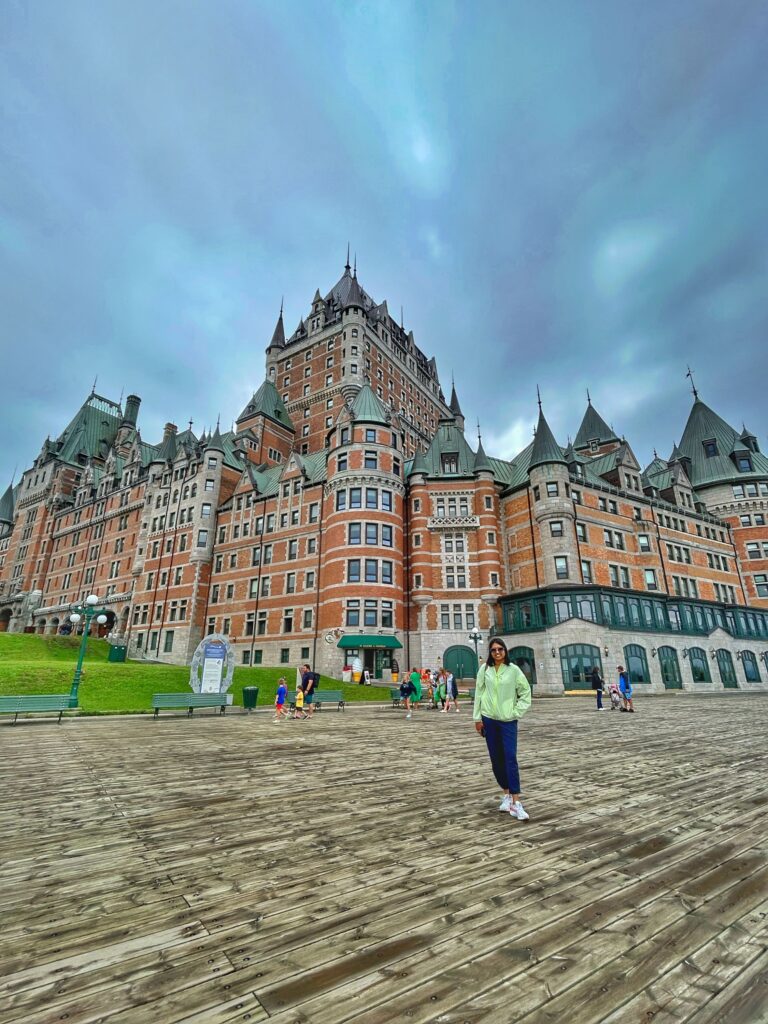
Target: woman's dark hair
x,y
496,640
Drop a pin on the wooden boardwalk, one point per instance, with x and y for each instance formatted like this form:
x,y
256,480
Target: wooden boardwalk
x,y
355,868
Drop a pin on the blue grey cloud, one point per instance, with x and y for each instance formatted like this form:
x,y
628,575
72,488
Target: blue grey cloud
x,y
570,195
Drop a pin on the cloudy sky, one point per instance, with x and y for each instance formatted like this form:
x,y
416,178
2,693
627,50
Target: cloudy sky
x,y
568,194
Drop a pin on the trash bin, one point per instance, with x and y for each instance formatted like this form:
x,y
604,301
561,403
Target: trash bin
x,y
250,696
117,652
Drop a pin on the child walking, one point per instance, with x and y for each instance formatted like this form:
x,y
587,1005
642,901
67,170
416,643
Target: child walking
x,y
282,691
298,706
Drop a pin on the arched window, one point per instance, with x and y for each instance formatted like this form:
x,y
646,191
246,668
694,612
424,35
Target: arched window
x,y
193,493
576,663
670,668
525,660
637,663
727,671
751,669
699,665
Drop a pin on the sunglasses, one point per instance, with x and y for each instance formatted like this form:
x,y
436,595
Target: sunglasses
x,y
497,650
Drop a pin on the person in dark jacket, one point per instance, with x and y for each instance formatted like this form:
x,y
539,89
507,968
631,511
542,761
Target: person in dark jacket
x,y
597,686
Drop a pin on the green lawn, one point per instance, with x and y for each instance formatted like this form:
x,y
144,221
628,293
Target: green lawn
x,y
43,664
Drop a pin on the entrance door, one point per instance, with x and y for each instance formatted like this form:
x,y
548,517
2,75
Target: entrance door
x,y
670,668
369,662
461,661
576,663
524,658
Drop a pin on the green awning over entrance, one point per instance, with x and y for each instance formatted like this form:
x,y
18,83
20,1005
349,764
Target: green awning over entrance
x,y
367,640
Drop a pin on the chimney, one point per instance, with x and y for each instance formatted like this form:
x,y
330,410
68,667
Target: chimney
x,y
170,430
131,414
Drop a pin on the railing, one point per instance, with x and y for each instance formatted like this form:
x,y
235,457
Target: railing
x,y
453,523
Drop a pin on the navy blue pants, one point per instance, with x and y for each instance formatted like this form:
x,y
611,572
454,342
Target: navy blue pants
x,y
599,694
501,738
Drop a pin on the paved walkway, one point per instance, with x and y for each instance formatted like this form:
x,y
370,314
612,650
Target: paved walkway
x,y
354,868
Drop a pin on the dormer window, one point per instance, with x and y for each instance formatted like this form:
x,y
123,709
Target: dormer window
x,y
744,464
593,445
449,462
710,448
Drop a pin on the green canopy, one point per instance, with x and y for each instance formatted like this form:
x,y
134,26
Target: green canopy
x,y
367,640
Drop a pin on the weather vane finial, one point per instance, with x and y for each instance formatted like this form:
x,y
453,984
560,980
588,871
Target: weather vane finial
x,y
693,385
538,396
95,381
479,435
589,400
346,265
282,300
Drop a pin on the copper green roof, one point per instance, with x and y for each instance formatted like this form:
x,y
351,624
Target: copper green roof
x,y
267,402
593,428
418,464
278,335
7,505
92,431
368,408
545,449
482,463
449,440
705,425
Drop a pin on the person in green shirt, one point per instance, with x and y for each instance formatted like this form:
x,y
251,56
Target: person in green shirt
x,y
415,691
502,696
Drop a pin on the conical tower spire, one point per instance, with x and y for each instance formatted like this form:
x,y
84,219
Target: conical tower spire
x,y
545,448
278,336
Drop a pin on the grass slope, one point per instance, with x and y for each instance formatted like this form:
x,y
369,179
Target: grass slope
x,y
43,664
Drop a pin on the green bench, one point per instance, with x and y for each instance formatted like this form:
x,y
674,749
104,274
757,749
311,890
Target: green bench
x,y
397,700
36,704
320,697
190,701
471,694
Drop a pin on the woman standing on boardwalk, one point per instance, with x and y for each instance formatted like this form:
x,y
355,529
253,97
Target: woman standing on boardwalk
x,y
597,686
502,696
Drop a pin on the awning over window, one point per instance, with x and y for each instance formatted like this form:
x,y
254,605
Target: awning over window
x,y
368,640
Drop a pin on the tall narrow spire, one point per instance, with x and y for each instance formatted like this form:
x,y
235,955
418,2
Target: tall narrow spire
x,y
538,397
693,385
278,336
354,269
95,382
347,267
589,400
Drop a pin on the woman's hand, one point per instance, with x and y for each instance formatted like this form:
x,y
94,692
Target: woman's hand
x,y
478,727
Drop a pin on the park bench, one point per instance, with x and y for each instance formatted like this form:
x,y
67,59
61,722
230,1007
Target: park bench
x,y
397,700
190,701
320,697
35,704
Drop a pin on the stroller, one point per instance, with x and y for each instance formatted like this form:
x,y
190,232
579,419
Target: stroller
x,y
615,697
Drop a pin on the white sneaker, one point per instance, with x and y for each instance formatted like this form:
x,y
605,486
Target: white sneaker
x,y
408,715
505,803
442,711
517,810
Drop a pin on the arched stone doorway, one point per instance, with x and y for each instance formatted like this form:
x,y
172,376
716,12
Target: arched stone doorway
x,y
54,626
5,618
98,630
124,616
461,661
525,660
40,626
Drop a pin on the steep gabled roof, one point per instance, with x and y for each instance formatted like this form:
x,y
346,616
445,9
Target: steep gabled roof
x,y
545,449
92,431
368,408
449,440
7,506
593,428
705,425
267,402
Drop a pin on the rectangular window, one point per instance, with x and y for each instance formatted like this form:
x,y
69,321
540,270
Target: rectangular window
x,y
650,579
168,642
371,497
353,613
386,536
556,528
341,500
371,460
372,534
552,489
293,549
386,572
386,501
202,538
306,620
561,567
353,570
644,542
285,655
586,571
371,613
371,570
581,531
625,581
355,497
354,533
290,583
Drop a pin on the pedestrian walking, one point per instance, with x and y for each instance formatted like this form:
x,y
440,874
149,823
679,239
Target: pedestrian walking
x,y
502,696
413,691
282,691
451,692
597,686
625,688
309,683
298,705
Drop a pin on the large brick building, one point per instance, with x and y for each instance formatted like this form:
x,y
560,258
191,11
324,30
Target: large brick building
x,y
348,515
